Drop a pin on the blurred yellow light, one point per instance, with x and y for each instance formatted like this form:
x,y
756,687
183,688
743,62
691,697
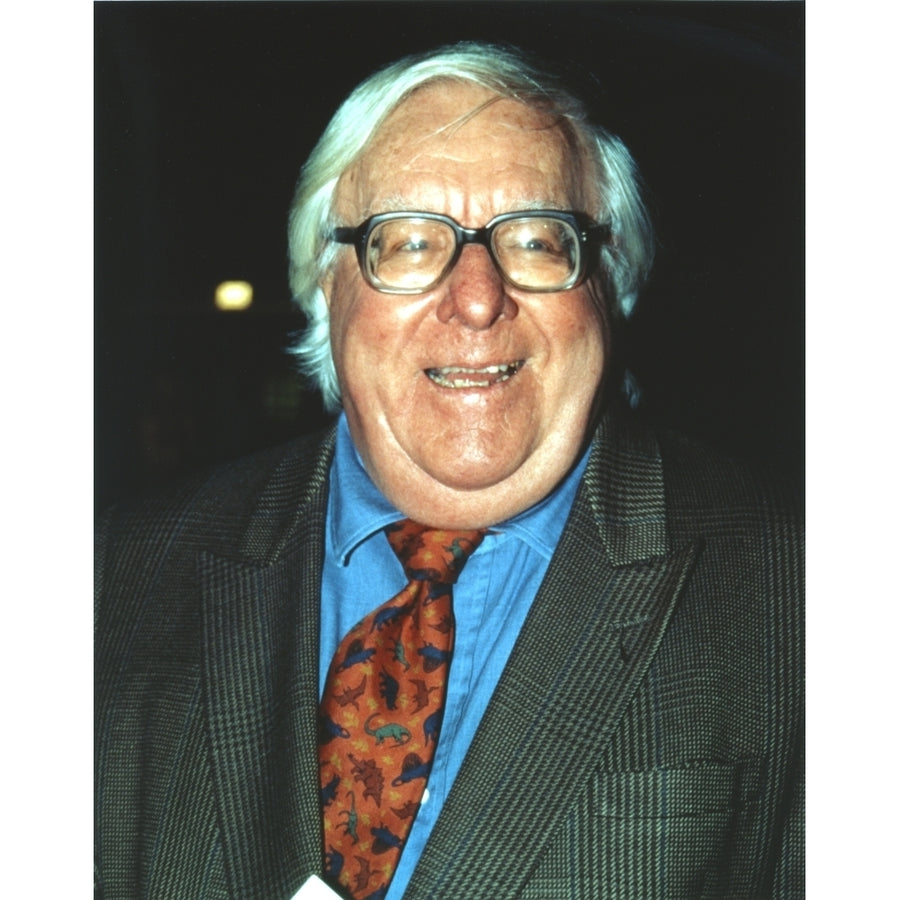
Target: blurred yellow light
x,y
234,295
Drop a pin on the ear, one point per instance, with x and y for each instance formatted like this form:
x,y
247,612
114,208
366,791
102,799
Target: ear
x,y
326,285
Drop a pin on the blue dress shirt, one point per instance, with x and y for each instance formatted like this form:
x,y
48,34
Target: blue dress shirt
x,y
490,602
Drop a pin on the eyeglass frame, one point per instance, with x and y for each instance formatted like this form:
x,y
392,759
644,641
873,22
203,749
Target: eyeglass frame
x,y
586,230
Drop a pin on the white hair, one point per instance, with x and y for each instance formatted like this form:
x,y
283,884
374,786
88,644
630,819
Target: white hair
x,y
624,262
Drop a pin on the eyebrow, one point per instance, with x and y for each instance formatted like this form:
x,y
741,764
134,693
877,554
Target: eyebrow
x,y
399,203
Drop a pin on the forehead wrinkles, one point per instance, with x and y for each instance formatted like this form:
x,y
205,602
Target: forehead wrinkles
x,y
417,123
446,125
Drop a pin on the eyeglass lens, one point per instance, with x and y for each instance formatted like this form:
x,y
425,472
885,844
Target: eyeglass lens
x,y
412,254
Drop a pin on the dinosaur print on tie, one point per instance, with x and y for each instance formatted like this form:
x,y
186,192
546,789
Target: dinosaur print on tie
x,y
381,712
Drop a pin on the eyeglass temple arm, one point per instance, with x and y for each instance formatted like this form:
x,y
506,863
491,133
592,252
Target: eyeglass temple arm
x,y
600,233
346,235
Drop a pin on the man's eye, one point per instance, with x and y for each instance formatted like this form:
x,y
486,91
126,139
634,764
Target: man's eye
x,y
537,247
388,249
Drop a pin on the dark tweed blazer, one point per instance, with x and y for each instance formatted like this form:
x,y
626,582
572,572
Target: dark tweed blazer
x,y
645,740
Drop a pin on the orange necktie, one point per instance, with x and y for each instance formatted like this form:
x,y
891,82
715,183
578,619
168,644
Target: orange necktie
x,y
381,711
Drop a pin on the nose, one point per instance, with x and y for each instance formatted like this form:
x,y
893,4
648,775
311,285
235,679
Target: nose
x,y
474,292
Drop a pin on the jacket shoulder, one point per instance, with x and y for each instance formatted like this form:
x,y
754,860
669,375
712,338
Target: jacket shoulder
x,y
703,484
214,506
239,511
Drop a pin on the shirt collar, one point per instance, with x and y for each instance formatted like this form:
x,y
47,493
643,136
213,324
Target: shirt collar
x,y
357,509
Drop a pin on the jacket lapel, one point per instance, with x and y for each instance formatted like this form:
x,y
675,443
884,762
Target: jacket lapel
x,y
261,615
588,641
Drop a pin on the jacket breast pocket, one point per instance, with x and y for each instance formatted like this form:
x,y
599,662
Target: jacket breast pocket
x,y
701,789
665,833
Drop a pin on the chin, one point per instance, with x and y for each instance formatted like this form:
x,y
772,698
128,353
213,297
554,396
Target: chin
x,y
470,478
473,461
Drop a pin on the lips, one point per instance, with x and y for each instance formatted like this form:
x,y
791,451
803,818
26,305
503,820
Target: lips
x,y
466,377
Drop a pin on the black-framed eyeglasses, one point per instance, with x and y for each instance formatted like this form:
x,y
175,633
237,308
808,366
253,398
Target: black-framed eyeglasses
x,y
534,250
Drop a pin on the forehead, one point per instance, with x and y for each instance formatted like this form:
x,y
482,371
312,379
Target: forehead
x,y
464,150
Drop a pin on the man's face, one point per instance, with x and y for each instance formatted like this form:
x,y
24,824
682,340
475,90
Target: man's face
x,y
448,450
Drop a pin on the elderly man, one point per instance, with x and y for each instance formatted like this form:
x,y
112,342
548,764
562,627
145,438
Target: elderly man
x,y
484,638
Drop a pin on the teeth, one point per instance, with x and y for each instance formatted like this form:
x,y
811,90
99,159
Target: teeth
x,y
464,377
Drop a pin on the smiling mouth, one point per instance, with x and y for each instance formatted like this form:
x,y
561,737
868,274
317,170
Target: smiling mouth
x,y
465,377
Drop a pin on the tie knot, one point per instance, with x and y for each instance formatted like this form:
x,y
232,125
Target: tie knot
x,y
432,554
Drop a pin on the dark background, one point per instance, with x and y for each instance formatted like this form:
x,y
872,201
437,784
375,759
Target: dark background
x,y
204,113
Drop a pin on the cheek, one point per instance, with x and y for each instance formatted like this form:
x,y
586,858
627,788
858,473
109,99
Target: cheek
x,y
367,346
582,370
347,341
578,337
345,295
594,324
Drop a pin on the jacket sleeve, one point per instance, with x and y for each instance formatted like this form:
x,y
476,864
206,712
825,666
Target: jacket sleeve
x,y
789,877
